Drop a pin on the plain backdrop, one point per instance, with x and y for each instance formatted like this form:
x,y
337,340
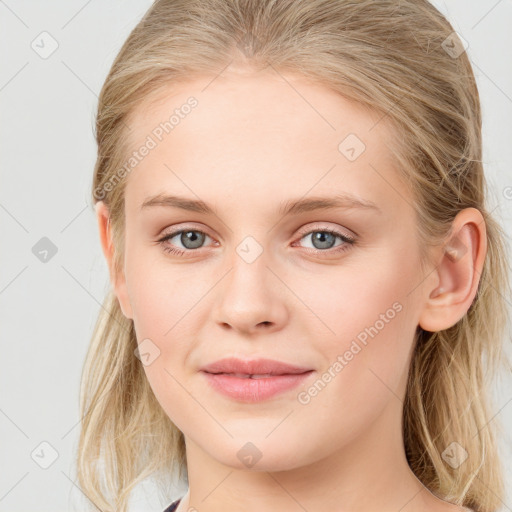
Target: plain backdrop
x,y
48,309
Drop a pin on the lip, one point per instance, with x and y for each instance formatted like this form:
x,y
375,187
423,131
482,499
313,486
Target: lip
x,y
253,367
231,377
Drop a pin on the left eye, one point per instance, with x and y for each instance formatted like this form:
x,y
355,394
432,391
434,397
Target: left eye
x,y
323,240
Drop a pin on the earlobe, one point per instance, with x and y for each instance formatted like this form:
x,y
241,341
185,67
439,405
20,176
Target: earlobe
x,y
458,273
118,282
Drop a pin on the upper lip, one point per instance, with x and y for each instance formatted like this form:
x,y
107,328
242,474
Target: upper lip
x,y
253,367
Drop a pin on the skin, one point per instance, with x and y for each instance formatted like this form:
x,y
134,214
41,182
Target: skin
x,y
257,139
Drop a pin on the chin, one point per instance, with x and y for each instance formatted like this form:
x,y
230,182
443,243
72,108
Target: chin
x,y
254,453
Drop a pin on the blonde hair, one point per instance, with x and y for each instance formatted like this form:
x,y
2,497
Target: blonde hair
x,y
395,58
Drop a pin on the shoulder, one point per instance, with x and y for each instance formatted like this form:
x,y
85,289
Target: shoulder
x,y
173,506
456,508
445,506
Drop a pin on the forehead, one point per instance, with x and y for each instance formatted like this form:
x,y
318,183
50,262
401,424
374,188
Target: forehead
x,y
263,135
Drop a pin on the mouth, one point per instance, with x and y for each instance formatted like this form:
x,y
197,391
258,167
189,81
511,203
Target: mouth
x,y
255,376
252,388
253,367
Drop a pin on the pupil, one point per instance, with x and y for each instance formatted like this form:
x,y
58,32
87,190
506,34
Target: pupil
x,y
192,237
323,239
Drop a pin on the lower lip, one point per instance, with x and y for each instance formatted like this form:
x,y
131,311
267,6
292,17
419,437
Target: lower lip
x,y
254,390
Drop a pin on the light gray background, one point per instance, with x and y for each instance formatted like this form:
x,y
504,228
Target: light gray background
x,y
48,153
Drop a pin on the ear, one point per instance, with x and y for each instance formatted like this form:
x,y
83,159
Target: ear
x,y
117,281
457,274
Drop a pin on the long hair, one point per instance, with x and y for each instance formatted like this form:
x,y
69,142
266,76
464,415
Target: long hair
x,y
401,59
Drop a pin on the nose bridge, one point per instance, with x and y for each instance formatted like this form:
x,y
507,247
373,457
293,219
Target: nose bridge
x,y
248,295
249,267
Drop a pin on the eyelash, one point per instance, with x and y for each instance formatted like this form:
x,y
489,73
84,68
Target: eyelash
x,y
349,241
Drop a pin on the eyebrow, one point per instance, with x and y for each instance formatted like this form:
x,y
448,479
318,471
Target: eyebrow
x,y
291,207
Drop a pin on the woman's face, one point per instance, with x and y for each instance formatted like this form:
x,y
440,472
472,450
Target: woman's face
x,y
262,283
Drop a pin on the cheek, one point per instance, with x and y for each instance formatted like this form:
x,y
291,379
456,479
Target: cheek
x,y
366,317
160,293
366,360
168,308
163,314
347,299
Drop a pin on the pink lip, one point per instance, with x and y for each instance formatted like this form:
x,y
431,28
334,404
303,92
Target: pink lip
x,y
253,367
282,377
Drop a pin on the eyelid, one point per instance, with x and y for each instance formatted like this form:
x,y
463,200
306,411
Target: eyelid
x,y
176,229
324,227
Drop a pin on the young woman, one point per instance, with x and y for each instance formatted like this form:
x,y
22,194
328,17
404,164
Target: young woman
x,y
306,303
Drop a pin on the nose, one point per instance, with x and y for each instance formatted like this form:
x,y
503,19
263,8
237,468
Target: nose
x,y
251,298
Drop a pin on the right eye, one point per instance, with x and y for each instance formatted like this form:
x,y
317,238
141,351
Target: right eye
x,y
191,239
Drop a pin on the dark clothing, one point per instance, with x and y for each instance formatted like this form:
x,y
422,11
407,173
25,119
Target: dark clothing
x,y
173,506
